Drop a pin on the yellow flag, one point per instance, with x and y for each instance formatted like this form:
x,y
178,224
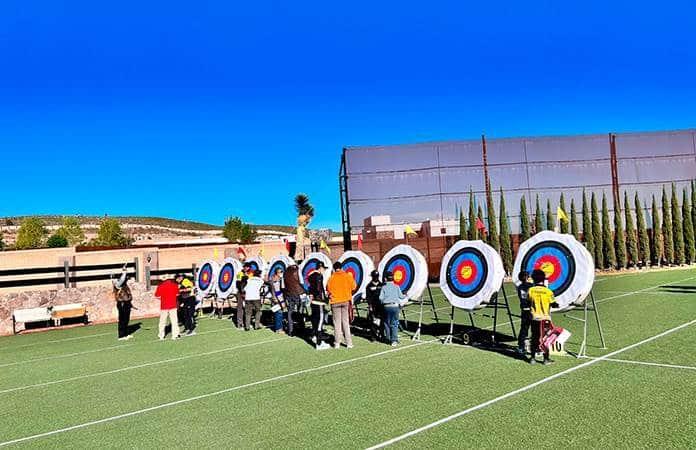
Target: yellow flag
x,y
561,214
261,251
215,253
408,230
323,245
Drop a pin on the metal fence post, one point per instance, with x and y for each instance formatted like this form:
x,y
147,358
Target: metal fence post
x,y
193,269
66,271
148,283
137,269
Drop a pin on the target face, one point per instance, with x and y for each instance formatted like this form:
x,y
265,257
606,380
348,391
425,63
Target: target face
x,y
359,265
555,260
409,269
227,276
310,264
256,263
281,262
355,269
205,277
471,273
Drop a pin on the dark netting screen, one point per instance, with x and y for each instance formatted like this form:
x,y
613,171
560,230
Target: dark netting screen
x,y
414,183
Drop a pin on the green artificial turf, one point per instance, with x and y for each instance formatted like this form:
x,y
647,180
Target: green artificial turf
x,y
227,388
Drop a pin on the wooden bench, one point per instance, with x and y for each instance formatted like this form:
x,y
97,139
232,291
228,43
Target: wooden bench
x,y
30,315
69,311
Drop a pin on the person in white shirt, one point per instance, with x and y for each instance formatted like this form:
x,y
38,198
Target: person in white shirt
x,y
252,300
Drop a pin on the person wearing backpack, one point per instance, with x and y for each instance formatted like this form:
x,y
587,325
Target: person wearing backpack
x,y
124,299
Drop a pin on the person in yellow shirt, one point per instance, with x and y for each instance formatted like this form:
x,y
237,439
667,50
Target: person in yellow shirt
x,y
341,287
541,301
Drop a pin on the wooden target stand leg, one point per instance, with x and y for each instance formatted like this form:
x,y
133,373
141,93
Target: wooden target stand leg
x,y
582,353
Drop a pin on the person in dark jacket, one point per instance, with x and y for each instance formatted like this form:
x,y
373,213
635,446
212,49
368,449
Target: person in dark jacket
x,y
124,299
293,292
242,278
375,312
318,302
525,311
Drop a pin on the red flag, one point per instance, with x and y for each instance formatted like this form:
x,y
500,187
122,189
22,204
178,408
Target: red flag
x,y
360,240
479,225
241,252
287,245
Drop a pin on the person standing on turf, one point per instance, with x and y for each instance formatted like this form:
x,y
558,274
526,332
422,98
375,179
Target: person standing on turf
x,y
188,301
168,292
317,298
242,277
525,311
124,299
391,298
541,301
374,306
252,300
341,287
293,292
275,284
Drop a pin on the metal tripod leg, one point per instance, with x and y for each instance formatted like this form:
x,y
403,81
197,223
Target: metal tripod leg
x,y
448,338
417,335
599,325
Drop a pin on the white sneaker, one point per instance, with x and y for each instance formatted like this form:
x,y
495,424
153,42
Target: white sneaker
x,y
161,338
124,338
349,346
175,338
190,333
394,344
314,339
323,346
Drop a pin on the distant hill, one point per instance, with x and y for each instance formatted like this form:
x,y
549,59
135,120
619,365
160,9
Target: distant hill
x,y
135,220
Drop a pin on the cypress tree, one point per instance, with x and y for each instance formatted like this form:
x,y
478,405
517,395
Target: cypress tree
x,y
480,233
525,226
657,248
563,225
587,235
643,240
667,237
505,241
631,237
619,237
597,233
607,241
689,245
550,225
462,225
574,220
493,236
677,229
473,232
693,207
538,224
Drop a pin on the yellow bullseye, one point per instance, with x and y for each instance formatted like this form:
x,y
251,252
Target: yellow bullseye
x,y
398,276
466,272
548,269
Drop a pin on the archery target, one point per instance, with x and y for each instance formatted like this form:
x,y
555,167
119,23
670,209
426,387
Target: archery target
x,y
409,268
281,262
227,276
310,263
257,263
565,261
359,265
470,274
206,278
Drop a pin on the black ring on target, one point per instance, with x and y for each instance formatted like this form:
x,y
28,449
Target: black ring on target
x,y
205,276
467,271
403,270
226,277
353,266
556,260
309,266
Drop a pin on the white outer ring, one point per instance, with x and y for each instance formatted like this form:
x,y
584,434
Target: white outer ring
x,y
581,285
367,265
259,262
233,287
321,257
213,283
284,258
491,285
420,267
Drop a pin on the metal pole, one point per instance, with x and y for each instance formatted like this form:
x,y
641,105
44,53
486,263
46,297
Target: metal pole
x,y
136,263
148,282
512,322
599,325
66,271
448,339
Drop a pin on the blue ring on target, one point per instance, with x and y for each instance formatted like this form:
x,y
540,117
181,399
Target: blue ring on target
x,y
467,271
275,266
404,265
556,260
353,265
205,276
310,265
226,277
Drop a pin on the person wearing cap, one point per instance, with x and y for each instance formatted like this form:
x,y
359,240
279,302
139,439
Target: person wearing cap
x,y
242,278
541,300
374,306
188,302
252,300
391,298
318,300
341,287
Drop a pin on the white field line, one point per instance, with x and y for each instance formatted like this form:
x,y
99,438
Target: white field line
x,y
645,363
210,394
56,340
661,293
526,388
138,366
639,291
67,355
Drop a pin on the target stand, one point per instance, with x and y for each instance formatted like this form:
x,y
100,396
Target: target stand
x,y
422,302
582,353
496,305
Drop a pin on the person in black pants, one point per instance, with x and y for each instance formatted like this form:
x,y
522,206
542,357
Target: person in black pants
x,y
318,299
525,311
375,312
124,299
188,303
293,292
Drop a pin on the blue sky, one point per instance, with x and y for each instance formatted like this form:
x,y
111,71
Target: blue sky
x,y
201,110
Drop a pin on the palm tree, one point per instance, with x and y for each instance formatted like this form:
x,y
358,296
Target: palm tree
x,y
305,213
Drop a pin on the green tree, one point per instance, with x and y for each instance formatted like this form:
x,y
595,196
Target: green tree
x,y
677,229
525,226
505,241
631,237
619,237
657,247
56,241
235,230
550,223
693,206
574,220
587,234
32,233
462,225
563,225
2,241
607,241
667,230
643,239
493,236
473,231
597,234
71,231
689,245
111,234
538,222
